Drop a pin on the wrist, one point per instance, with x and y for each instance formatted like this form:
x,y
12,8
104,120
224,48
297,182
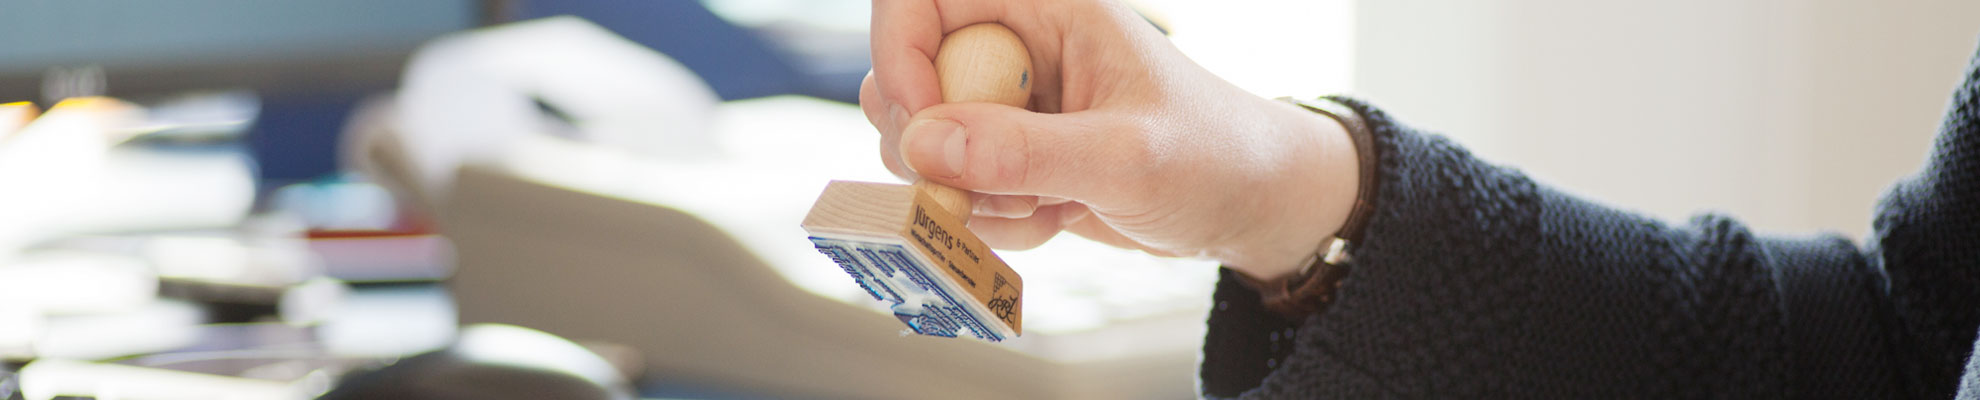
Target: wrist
x,y
1308,206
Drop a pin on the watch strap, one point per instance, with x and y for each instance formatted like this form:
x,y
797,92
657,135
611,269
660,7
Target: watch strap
x,y
1311,289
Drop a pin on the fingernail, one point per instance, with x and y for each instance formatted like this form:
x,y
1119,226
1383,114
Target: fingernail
x,y
899,115
982,206
1071,215
935,147
1003,207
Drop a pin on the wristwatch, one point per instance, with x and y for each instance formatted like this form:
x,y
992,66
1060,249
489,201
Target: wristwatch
x,y
1311,289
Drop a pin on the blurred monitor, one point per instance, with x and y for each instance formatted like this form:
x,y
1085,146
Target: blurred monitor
x,y
147,47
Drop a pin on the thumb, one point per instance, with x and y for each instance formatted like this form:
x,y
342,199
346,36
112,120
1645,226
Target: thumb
x,y
998,149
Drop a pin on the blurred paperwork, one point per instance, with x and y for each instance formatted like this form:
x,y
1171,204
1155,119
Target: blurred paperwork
x,y
130,266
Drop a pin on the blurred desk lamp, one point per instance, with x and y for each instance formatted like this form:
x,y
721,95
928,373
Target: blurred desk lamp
x,y
469,97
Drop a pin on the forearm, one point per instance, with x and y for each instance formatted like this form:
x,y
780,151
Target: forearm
x,y
1472,280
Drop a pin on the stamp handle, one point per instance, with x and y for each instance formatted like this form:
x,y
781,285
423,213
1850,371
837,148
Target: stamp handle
x,y
985,63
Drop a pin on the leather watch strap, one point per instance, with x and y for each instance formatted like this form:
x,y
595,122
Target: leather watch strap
x,y
1311,289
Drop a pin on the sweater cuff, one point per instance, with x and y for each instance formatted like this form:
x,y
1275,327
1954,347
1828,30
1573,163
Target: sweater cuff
x,y
1245,341
1425,181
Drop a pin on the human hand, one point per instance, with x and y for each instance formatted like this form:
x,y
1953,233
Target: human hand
x,y
1126,141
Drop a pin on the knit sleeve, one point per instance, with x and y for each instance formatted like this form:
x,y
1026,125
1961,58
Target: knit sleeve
x,y
1927,238
1472,281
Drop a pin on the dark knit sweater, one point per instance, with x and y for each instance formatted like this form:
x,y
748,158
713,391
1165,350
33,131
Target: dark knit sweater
x,y
1473,281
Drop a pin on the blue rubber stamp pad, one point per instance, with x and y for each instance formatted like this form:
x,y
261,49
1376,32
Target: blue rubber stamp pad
x,y
905,249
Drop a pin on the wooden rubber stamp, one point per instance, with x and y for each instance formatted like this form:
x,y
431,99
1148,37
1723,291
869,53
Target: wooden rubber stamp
x,y
907,244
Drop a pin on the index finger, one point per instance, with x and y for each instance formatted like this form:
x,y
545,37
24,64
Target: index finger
x,y
906,35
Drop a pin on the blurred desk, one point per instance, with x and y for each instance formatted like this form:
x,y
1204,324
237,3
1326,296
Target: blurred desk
x,y
171,358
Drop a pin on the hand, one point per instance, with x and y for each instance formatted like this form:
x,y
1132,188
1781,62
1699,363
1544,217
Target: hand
x,y
1127,141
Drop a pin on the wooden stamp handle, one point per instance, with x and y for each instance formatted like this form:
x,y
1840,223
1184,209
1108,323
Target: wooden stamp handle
x,y
984,63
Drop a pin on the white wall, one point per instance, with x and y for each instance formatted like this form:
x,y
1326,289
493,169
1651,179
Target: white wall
x,y
1792,115
1271,48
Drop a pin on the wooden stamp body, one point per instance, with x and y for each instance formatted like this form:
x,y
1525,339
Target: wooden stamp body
x,y
908,244
904,248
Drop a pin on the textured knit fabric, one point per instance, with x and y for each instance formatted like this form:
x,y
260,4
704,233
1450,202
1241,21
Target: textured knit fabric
x,y
1473,281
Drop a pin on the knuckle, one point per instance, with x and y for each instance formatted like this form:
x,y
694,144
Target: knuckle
x,y
1017,165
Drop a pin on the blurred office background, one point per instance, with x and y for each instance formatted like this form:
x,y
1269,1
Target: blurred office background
x,y
579,199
